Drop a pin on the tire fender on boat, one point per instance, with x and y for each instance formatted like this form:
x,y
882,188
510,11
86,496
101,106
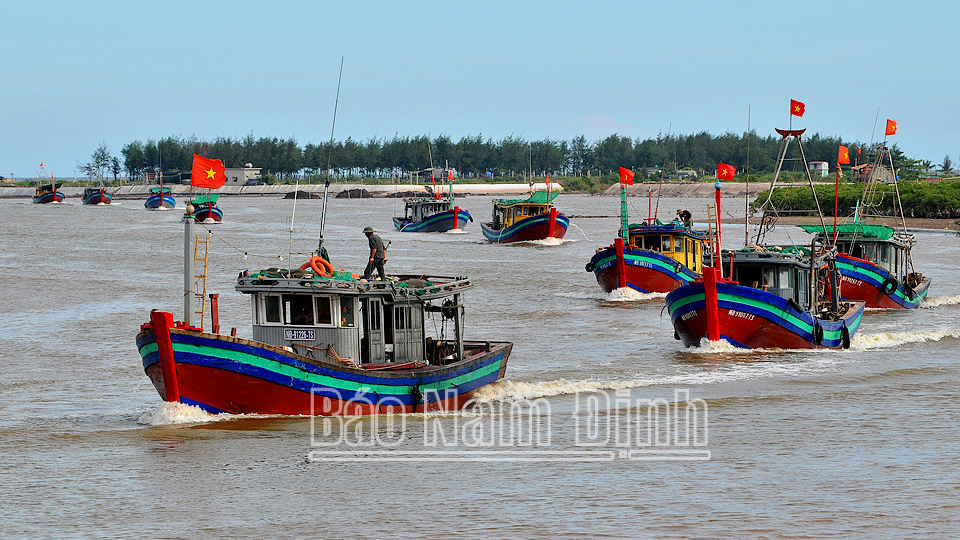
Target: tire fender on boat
x,y
794,305
888,286
817,333
845,337
312,264
589,267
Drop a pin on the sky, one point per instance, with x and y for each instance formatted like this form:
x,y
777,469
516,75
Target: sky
x,y
75,74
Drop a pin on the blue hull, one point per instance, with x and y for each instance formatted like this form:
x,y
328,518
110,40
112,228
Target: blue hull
x,y
532,228
439,222
49,197
154,202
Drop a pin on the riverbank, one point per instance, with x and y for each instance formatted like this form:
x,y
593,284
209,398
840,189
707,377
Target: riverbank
x,y
141,191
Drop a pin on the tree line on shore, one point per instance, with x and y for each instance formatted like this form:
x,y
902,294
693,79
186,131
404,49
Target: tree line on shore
x,y
476,157
920,200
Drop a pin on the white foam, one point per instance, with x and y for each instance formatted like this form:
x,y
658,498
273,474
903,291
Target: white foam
x,y
551,241
167,414
456,231
720,346
885,340
940,301
626,294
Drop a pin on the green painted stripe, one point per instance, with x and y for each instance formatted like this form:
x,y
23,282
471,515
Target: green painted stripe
x,y
325,380
772,310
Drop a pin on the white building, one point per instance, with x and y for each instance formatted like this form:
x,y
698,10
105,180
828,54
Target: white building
x,y
242,177
820,166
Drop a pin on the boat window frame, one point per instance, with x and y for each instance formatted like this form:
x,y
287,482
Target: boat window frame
x,y
263,299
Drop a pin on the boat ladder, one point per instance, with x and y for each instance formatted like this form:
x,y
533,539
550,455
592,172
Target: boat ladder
x,y
200,285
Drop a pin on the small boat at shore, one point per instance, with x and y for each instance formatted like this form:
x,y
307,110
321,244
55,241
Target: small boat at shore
x,y
205,209
424,214
160,199
94,195
324,343
519,220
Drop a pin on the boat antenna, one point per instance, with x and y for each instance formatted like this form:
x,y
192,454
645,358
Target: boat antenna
x,y
326,187
746,193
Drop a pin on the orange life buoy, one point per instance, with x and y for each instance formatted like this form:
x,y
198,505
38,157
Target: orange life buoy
x,y
312,264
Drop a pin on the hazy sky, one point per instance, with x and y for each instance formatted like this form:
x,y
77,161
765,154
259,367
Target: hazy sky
x,y
73,74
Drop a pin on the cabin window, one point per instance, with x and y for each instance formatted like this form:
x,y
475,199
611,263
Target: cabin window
x,y
784,279
324,313
347,311
665,244
526,210
768,276
375,317
298,309
271,308
400,318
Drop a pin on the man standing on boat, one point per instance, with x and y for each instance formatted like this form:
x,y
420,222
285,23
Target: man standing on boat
x,y
685,217
378,255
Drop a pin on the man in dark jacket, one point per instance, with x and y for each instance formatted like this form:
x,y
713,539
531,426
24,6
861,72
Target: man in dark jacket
x,y
378,255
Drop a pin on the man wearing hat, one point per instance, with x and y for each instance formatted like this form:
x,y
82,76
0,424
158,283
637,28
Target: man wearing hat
x,y
685,217
378,255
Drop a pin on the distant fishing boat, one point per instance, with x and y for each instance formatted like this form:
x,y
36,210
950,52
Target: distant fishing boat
x,y
47,193
423,214
160,198
206,209
518,220
650,257
97,195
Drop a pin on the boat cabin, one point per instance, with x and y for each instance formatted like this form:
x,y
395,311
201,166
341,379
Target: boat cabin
x,y
785,273
418,208
877,244
508,212
673,241
370,323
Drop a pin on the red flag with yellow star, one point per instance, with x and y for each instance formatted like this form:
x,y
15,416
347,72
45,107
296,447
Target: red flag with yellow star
x,y
843,156
626,176
725,172
208,173
891,127
797,108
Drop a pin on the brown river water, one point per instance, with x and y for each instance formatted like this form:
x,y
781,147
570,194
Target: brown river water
x,y
792,444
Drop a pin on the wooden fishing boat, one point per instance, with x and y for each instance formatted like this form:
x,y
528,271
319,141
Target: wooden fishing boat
x,y
775,299
48,193
518,220
875,265
425,214
657,258
94,195
786,297
324,343
160,198
205,209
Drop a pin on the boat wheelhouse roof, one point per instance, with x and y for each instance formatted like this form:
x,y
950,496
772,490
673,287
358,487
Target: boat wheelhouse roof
x,y
205,198
861,230
539,197
674,227
157,190
342,283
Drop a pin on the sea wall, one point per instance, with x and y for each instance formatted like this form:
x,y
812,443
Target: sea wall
x,y
691,190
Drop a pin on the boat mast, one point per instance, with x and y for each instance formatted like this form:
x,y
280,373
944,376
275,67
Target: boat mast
x,y
746,194
326,187
189,265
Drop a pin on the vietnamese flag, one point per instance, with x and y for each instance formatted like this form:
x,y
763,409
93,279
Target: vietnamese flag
x,y
891,127
797,108
843,156
208,173
450,176
726,172
626,176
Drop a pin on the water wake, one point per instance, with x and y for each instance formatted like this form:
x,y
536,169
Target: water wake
x,y
626,294
885,340
551,241
940,301
168,414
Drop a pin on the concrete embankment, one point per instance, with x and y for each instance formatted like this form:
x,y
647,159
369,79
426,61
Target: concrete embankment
x,y
140,191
